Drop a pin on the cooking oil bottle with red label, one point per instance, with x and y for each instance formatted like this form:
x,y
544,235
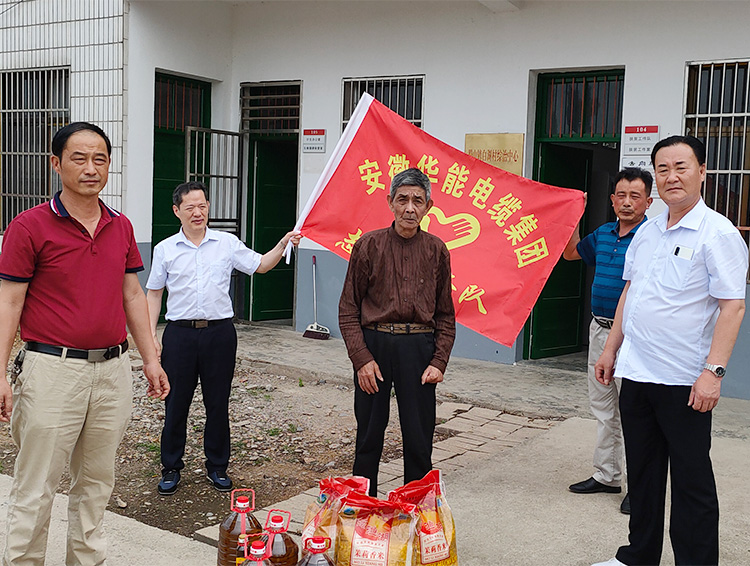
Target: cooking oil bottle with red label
x,y
315,548
283,550
239,521
257,554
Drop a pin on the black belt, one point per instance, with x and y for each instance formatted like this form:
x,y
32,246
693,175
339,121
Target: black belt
x,y
101,355
603,322
400,328
198,323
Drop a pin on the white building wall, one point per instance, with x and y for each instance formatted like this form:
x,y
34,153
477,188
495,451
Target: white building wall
x,y
87,37
480,71
191,40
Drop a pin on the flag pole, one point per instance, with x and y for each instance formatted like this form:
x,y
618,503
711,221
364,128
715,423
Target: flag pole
x,y
338,154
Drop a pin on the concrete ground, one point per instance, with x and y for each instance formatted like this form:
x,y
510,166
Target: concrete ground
x,y
506,476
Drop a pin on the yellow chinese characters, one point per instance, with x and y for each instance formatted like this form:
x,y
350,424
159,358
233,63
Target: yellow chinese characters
x,y
504,209
370,173
429,166
481,192
396,164
455,180
517,232
473,293
532,252
347,243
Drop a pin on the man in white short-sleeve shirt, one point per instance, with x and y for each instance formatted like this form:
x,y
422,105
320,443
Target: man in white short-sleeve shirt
x,y
675,327
195,265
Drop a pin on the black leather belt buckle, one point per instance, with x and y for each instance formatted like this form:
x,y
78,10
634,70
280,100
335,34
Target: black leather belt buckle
x,y
109,353
200,324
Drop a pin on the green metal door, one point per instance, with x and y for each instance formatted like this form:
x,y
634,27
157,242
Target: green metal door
x,y
274,213
574,111
554,327
169,171
178,103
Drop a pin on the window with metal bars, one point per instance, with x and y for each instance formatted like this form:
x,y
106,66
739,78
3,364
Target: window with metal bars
x,y
580,106
270,108
403,95
34,104
717,111
180,103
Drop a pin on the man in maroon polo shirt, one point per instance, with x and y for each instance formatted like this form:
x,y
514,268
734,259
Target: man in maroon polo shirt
x,y
68,270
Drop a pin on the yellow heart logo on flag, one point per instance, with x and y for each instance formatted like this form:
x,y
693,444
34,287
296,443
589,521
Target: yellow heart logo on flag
x,y
460,229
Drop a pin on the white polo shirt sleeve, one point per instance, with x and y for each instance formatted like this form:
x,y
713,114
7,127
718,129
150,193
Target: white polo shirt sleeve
x,y
727,262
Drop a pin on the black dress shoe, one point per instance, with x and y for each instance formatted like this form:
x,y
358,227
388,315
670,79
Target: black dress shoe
x,y
625,505
592,486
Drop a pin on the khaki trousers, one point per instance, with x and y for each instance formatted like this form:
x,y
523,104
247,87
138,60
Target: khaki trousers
x,y
605,406
65,411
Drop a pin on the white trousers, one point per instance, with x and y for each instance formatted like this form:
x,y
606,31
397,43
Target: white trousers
x,y
65,411
605,405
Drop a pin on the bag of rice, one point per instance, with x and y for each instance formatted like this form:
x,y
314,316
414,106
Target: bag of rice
x,y
435,542
373,532
321,516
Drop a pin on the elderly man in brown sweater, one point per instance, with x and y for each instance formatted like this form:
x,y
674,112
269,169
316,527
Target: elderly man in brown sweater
x,y
396,316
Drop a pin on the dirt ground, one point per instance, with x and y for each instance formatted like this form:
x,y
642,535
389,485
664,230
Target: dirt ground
x,y
289,430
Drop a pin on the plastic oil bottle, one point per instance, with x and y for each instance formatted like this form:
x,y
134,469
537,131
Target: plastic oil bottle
x,y
239,521
315,548
257,555
283,550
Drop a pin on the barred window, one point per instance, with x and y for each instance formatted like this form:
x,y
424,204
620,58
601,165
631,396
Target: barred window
x,y
580,106
403,95
717,111
34,104
180,103
270,108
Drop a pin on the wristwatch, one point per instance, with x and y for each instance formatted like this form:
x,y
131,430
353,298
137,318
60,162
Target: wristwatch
x,y
717,370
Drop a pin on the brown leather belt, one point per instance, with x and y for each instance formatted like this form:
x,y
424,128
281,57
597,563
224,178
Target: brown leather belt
x,y
400,328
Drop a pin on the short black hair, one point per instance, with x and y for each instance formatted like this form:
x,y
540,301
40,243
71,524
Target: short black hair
x,y
63,135
185,188
699,150
633,174
411,178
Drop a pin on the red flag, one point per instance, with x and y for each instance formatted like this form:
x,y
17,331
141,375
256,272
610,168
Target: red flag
x,y
504,232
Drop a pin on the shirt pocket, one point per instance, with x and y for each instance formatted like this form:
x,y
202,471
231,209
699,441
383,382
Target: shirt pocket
x,y
677,272
220,271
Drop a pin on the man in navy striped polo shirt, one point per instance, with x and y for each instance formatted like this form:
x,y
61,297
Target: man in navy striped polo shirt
x,y
605,249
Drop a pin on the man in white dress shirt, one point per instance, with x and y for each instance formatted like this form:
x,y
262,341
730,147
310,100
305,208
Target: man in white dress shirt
x,y
675,327
199,341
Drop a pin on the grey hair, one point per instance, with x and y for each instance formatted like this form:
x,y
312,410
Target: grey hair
x,y
411,178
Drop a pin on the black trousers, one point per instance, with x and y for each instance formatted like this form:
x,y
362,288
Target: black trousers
x,y
661,432
187,355
402,360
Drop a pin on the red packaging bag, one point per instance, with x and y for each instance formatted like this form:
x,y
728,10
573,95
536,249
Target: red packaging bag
x,y
321,516
435,543
373,532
